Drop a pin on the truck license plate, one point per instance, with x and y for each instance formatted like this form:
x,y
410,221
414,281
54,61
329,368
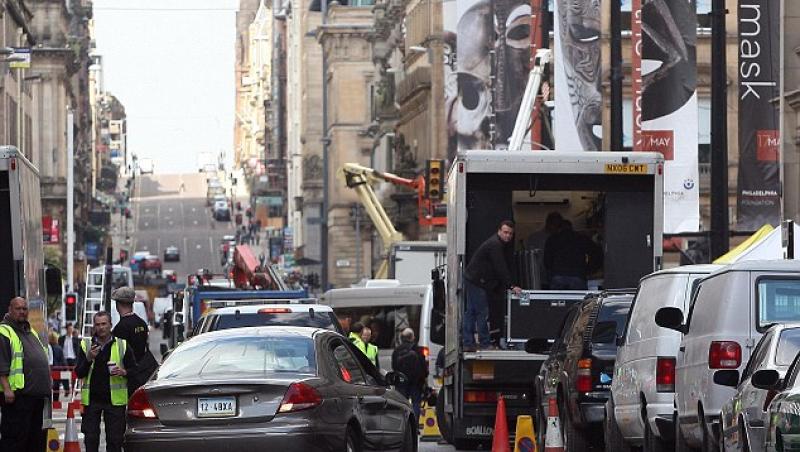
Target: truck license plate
x,y
625,168
216,406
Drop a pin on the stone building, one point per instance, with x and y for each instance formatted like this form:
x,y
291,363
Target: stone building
x,y
241,144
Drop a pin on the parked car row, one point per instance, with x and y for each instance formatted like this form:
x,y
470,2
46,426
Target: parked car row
x,y
701,357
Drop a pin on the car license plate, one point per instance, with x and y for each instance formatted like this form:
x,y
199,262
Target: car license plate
x,y
625,168
216,406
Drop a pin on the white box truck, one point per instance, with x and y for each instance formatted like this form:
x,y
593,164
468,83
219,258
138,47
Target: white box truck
x,y
614,197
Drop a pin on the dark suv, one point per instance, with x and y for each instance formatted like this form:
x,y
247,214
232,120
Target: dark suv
x,y
580,366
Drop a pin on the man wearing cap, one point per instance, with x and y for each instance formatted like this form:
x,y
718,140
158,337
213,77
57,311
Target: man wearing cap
x,y
24,379
135,331
103,365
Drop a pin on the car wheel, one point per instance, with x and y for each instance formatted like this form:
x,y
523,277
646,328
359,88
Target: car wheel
x,y
653,443
574,438
613,437
353,443
410,442
680,441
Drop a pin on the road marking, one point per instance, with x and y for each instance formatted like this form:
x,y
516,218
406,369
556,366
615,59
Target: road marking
x,y
194,209
170,209
158,246
144,248
171,222
195,222
146,224
185,248
199,246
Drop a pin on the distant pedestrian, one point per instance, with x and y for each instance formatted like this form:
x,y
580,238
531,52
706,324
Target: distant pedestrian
x,y
55,355
408,359
357,338
70,344
25,379
103,365
135,331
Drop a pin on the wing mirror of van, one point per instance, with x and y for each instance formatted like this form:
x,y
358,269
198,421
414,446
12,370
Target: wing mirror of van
x,y
538,346
727,377
671,318
766,379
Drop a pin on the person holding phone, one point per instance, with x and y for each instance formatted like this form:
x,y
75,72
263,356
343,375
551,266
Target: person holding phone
x,y
103,365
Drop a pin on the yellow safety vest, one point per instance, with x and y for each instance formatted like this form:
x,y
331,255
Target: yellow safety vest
x,y
369,350
16,379
118,385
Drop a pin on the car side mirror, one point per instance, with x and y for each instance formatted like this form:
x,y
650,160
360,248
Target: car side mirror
x,y
538,346
395,378
727,377
766,379
671,318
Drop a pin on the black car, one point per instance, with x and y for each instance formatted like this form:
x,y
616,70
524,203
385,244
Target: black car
x,y
269,388
580,366
172,254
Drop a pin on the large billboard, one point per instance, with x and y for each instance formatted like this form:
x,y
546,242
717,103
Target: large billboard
x,y
578,76
758,200
665,103
492,64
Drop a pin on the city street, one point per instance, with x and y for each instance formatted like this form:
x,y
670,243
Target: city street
x,y
163,216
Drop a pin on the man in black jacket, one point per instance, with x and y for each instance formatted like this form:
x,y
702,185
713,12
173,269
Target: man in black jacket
x,y
488,270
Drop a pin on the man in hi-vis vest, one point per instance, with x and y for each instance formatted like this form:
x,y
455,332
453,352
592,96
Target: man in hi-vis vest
x,y
25,381
103,362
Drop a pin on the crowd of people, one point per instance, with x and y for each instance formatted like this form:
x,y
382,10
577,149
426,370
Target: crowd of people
x,y
111,365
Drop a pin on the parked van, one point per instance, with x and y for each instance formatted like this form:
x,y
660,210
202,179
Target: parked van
x,y
639,412
387,311
729,312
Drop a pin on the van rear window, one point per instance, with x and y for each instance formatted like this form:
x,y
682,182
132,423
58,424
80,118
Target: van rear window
x,y
385,322
778,301
320,320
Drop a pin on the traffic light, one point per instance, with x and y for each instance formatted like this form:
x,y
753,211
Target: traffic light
x,y
71,307
434,185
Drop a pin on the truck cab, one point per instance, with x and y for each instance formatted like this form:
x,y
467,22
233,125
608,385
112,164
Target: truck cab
x,y
615,199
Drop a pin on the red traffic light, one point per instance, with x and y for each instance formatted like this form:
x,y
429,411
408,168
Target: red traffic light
x,y
71,299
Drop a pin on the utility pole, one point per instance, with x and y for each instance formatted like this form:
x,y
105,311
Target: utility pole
x,y
323,217
70,202
720,227
617,75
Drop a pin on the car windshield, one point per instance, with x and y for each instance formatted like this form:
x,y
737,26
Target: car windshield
x,y
249,357
788,346
320,320
610,321
778,301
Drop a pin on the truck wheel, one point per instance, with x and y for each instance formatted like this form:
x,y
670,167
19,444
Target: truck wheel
x,y
613,436
574,438
442,418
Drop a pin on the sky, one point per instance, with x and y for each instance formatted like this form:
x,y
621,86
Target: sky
x,y
171,64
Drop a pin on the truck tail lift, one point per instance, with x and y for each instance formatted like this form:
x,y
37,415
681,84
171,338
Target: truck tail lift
x,y
360,178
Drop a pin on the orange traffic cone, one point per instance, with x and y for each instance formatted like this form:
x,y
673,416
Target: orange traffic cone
x,y
71,443
500,437
553,441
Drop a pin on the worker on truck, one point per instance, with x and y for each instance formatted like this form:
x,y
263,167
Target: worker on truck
x,y
488,271
570,257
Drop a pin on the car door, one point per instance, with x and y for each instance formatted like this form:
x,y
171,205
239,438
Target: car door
x,y
365,401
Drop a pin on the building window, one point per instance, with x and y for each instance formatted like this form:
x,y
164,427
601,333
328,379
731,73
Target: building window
x,y
361,2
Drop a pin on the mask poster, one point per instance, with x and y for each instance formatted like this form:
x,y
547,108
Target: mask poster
x,y
758,200
665,102
578,77
481,113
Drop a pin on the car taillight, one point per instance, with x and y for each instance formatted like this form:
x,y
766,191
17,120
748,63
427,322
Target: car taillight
x,y
299,396
583,378
425,351
665,374
139,406
724,355
480,396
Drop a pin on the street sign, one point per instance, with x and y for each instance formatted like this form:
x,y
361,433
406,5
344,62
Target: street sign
x,y
21,58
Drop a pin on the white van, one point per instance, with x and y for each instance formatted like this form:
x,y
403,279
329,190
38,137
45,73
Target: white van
x,y
729,312
388,311
639,412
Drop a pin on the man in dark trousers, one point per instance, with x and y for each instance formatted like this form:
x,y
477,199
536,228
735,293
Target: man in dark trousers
x,y
135,331
570,257
408,359
56,359
25,380
103,363
70,344
488,271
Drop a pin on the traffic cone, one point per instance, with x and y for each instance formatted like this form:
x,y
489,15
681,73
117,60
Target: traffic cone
x,y
553,442
71,443
524,436
500,437
430,428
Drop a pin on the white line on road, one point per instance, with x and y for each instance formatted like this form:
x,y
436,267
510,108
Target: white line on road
x,y
211,248
158,246
195,222
194,209
199,246
185,250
